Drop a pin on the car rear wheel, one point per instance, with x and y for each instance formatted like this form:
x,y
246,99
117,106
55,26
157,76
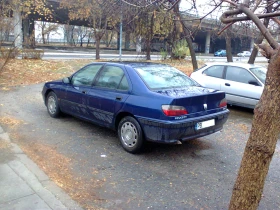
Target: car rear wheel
x,y
52,105
130,135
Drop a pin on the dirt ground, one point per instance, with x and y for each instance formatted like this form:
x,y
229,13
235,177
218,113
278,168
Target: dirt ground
x,y
25,72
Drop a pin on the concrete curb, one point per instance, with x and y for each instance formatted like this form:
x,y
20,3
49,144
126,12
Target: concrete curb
x,y
33,189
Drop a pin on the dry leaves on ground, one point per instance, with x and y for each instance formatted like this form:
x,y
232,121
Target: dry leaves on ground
x,y
58,168
25,72
9,121
4,144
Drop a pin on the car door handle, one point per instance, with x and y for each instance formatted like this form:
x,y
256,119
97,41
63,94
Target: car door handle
x,y
84,92
118,98
227,84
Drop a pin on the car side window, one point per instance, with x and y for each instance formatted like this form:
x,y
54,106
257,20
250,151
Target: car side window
x,y
124,84
238,74
85,76
110,77
215,71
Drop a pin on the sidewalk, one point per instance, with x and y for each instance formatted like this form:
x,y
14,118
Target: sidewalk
x,y
24,186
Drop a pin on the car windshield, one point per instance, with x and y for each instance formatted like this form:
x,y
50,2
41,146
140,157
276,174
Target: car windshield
x,y
260,73
164,77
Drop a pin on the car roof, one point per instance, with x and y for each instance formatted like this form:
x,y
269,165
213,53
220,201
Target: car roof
x,y
244,65
138,64
132,64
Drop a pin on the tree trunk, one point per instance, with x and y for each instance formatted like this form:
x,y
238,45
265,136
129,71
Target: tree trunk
x,y
228,47
127,40
43,37
107,38
138,44
255,50
258,41
192,52
97,53
189,41
148,49
265,130
261,144
110,38
149,38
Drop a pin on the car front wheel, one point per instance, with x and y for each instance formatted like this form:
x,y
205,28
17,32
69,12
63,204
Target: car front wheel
x,y
52,105
130,135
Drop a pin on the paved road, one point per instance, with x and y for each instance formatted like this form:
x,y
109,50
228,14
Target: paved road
x,y
113,55
196,175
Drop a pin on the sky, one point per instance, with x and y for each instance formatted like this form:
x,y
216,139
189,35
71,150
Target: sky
x,y
203,8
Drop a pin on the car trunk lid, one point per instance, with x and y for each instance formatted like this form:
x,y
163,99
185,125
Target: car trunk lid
x,y
195,99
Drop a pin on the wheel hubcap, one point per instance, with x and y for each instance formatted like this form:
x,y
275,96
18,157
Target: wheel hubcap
x,y
51,104
129,134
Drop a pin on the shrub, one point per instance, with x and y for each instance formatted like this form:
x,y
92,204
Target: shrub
x,y
163,54
9,52
180,49
32,54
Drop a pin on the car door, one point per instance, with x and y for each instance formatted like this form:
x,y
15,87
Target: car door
x,y
108,94
212,77
241,87
81,82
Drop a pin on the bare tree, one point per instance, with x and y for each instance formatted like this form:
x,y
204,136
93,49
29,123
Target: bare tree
x,y
109,35
265,130
97,13
82,32
47,29
69,34
148,20
18,9
187,35
268,9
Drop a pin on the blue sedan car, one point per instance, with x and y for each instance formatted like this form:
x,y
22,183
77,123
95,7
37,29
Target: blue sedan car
x,y
141,101
220,53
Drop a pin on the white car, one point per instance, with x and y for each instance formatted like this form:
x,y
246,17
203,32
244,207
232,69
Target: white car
x,y
242,83
244,54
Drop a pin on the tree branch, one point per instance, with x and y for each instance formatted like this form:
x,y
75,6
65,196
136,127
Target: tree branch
x,y
261,27
276,20
224,18
224,28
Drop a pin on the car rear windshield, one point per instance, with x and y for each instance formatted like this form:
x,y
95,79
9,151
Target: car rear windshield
x,y
164,77
260,73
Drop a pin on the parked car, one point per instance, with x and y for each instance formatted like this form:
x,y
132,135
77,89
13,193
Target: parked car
x,y
242,83
220,53
141,101
244,54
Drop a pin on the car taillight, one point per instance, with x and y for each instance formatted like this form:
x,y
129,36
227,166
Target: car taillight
x,y
170,110
223,103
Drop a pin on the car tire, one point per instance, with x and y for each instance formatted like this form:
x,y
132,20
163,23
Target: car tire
x,y
52,105
130,135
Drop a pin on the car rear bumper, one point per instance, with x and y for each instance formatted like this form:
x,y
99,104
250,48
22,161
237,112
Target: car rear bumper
x,y
172,132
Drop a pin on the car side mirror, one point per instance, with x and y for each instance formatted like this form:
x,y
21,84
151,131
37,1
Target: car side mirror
x,y
253,82
66,80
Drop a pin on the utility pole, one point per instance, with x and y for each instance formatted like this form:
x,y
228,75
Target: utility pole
x,y
121,19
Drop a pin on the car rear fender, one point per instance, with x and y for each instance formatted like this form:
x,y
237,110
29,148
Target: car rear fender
x,y
119,117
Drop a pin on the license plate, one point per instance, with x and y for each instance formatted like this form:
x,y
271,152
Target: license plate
x,y
204,124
